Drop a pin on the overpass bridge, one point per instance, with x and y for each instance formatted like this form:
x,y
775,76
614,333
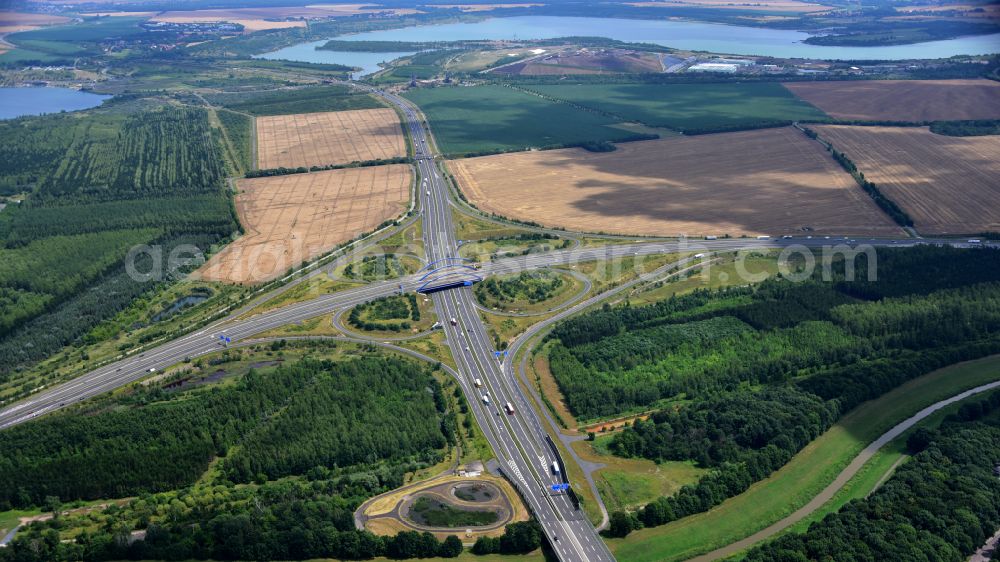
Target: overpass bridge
x,y
447,273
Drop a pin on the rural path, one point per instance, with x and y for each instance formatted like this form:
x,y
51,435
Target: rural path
x,y
9,536
845,475
988,551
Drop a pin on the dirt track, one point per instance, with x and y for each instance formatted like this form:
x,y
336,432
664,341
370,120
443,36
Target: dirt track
x,y
948,185
295,218
334,137
903,100
772,181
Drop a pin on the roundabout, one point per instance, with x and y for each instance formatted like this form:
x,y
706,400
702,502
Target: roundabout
x,y
469,507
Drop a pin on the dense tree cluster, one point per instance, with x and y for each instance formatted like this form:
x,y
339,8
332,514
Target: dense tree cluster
x,y
392,313
340,420
371,268
624,358
758,387
531,286
517,538
159,152
286,520
941,505
98,185
310,415
967,128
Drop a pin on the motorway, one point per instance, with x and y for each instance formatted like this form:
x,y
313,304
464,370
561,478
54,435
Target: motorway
x,y
521,446
513,431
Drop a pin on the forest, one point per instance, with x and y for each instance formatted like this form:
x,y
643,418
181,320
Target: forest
x,y
925,299
311,415
98,184
290,519
299,447
942,504
744,378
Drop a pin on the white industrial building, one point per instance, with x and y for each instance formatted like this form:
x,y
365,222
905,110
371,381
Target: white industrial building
x,y
714,67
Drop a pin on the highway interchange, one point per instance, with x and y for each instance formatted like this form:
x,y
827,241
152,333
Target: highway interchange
x,y
521,446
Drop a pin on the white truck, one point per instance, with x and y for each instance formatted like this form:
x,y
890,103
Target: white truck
x,y
479,383
486,399
509,408
555,468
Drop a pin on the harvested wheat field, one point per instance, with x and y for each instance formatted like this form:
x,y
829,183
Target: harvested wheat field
x,y
295,218
335,137
771,181
948,185
903,100
11,22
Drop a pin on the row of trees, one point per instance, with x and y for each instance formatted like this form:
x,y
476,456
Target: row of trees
x,y
282,171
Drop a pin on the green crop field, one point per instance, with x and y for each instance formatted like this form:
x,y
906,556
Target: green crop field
x,y
689,107
302,100
484,119
63,43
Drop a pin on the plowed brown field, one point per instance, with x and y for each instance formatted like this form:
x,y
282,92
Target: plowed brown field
x,y
295,218
335,137
903,100
948,185
772,181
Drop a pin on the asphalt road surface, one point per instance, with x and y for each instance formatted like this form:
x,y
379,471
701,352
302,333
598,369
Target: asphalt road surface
x,y
516,436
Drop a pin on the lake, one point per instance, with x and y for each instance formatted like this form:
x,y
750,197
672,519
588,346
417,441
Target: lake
x,y
16,102
716,38
307,52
